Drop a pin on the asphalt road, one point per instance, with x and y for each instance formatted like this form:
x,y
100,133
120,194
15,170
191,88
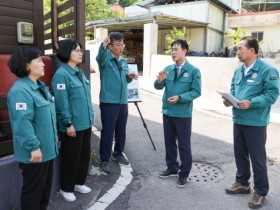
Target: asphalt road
x,y
213,168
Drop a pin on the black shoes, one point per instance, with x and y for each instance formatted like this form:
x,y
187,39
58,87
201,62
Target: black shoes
x,y
182,181
167,173
105,167
121,159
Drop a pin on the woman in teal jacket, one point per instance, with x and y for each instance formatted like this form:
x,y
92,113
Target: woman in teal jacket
x,y
32,115
75,118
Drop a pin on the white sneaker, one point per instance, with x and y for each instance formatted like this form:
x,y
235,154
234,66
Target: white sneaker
x,y
82,189
68,196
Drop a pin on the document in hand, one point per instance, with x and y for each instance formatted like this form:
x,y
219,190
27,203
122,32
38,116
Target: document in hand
x,y
229,98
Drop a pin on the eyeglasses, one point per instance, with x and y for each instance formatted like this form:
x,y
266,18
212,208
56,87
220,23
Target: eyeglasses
x,y
119,45
78,51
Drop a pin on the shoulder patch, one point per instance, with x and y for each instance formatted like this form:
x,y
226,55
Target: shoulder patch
x,y
21,106
198,77
273,78
60,86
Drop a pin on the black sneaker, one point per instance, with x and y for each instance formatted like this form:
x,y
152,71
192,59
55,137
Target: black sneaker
x,y
105,167
182,181
167,173
121,159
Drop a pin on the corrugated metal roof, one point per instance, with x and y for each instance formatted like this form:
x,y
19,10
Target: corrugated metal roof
x,y
137,22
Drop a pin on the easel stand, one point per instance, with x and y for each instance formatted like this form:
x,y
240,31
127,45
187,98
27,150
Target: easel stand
x,y
144,124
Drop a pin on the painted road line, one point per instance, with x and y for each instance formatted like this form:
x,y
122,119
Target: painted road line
x,y
120,185
96,131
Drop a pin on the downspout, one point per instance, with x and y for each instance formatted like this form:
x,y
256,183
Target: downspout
x,y
206,29
224,30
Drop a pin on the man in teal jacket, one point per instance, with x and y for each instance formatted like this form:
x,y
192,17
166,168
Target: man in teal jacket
x,y
114,77
182,83
256,86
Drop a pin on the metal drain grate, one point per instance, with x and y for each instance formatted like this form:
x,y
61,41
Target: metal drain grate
x,y
202,172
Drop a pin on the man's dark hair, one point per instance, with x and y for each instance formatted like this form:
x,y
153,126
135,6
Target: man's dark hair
x,y
252,43
116,36
183,43
65,48
20,58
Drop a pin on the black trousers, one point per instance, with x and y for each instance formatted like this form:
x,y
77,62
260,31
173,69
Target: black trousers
x,y
249,143
114,119
75,158
37,183
176,128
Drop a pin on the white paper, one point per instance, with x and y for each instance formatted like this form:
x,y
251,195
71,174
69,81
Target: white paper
x,y
230,98
133,89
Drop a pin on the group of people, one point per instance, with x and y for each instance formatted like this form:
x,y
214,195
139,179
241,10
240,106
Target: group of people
x,y
33,112
256,86
36,115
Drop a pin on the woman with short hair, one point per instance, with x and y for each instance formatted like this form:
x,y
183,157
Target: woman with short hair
x,y
33,120
75,118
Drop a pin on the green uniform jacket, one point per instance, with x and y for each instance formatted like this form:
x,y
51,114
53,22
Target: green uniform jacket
x,y
72,98
33,119
187,85
113,81
261,87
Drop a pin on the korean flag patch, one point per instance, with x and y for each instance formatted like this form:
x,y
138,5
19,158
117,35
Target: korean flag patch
x,y
21,106
60,86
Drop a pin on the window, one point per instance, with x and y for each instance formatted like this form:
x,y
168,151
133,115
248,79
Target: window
x,y
258,35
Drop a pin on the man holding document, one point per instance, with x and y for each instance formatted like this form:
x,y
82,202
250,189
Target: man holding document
x,y
256,87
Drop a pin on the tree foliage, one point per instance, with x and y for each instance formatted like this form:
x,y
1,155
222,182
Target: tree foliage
x,y
95,10
237,36
174,35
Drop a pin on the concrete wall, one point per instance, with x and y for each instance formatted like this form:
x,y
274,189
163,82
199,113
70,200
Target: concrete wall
x,y
254,19
11,182
216,17
271,38
234,4
195,35
214,41
266,22
197,38
191,10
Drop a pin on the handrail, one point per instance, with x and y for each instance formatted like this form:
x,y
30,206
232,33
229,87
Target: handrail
x,y
64,21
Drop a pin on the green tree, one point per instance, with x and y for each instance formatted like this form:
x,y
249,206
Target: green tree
x,y
95,10
237,36
99,10
174,35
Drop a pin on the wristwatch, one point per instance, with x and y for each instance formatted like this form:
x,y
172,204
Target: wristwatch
x,y
179,98
68,125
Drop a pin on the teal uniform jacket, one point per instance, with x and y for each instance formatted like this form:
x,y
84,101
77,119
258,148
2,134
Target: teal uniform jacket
x,y
187,85
113,78
261,87
72,98
33,120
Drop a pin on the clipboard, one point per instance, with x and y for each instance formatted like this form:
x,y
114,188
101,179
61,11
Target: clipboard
x,y
230,98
